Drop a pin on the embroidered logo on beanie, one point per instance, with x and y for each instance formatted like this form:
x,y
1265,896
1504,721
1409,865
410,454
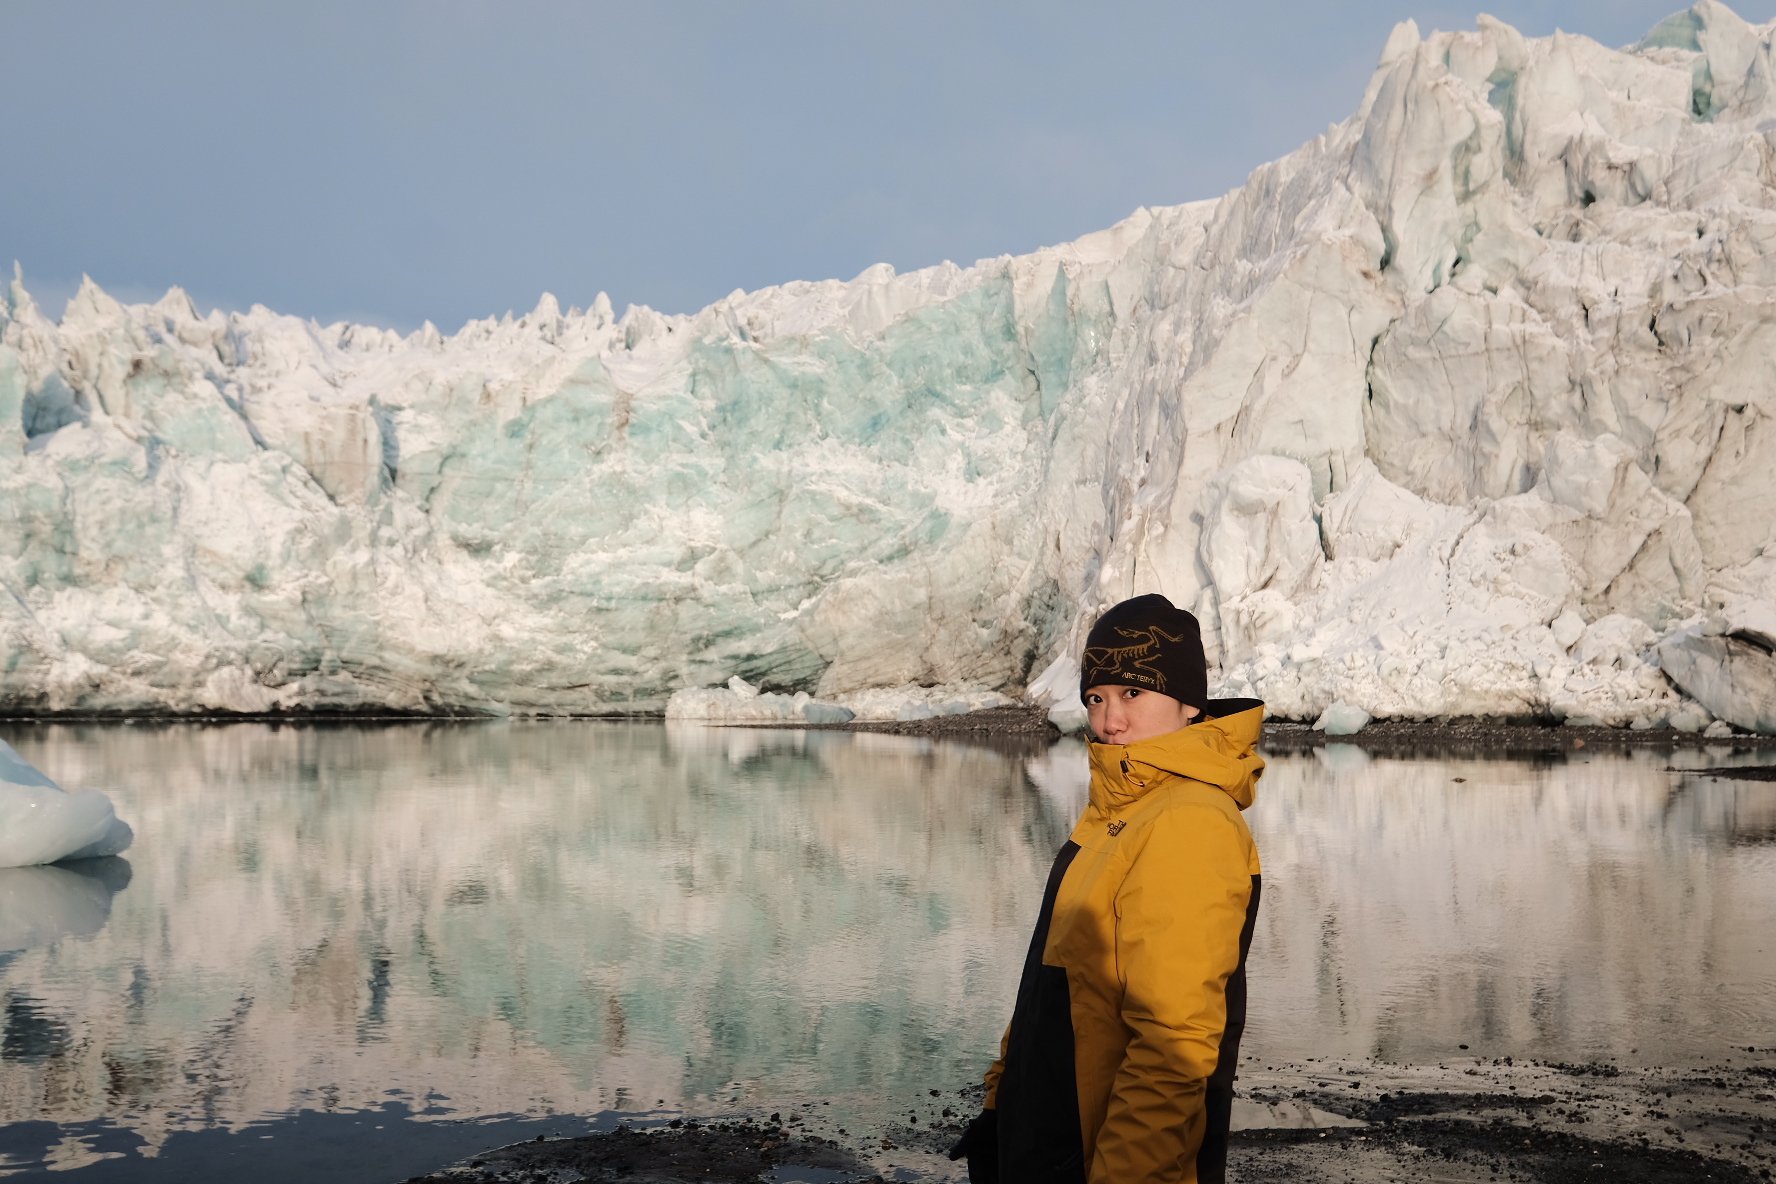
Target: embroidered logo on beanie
x,y
1147,642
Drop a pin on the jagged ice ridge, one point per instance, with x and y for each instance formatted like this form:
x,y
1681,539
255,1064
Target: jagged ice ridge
x,y
1464,408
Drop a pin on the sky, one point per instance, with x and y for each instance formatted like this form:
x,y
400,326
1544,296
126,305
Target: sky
x,y
397,161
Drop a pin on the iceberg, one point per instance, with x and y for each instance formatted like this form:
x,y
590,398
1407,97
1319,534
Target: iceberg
x,y
40,822
1341,719
1463,408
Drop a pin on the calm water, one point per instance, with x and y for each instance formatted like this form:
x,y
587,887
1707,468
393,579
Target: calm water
x,y
354,939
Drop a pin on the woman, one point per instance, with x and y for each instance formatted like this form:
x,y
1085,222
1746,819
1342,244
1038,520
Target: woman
x,y
1118,1064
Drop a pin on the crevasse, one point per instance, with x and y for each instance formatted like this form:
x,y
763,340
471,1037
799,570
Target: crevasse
x,y
1463,408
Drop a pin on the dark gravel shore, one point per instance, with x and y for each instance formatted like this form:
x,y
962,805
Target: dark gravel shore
x,y
735,1151
1740,773
994,721
1023,728
1496,738
1022,731
1477,1119
1479,737
1468,1119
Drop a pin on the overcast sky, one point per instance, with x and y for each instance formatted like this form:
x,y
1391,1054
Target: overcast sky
x,y
396,162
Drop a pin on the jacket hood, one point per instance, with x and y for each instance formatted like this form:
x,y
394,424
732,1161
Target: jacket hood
x,y
1219,751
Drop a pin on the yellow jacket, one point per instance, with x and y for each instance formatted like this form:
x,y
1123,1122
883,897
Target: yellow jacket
x,y
1118,1065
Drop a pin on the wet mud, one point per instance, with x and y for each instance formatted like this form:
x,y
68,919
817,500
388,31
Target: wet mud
x,y
1360,1122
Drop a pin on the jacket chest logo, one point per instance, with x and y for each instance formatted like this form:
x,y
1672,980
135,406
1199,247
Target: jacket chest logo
x,y
1116,827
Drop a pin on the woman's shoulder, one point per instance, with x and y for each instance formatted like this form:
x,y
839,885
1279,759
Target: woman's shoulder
x,y
1185,806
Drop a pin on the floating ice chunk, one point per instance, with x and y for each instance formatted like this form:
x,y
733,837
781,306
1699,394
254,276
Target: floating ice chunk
x,y
1341,719
827,713
41,823
39,905
16,770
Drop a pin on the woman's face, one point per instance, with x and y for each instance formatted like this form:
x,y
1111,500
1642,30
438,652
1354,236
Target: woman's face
x,y
1124,715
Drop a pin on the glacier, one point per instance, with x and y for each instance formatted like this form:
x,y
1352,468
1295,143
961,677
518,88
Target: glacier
x,y
1465,408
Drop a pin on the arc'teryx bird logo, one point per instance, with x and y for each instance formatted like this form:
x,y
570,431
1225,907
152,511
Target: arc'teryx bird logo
x,y
1129,662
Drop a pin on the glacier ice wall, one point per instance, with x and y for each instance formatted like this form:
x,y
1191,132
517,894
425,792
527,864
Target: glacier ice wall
x,y
1466,407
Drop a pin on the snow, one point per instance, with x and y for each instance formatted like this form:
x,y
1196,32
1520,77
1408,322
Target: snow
x,y
1413,420
42,823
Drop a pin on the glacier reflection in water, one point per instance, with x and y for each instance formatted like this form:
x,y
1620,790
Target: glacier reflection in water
x,y
573,917
1571,910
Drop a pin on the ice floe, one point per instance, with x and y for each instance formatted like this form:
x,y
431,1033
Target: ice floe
x,y
40,822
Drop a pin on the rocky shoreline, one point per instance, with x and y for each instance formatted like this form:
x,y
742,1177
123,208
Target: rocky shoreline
x,y
1465,1119
1023,725
1498,738
1382,737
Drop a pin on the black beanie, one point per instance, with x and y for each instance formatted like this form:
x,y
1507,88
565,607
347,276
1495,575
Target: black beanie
x,y
1146,642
